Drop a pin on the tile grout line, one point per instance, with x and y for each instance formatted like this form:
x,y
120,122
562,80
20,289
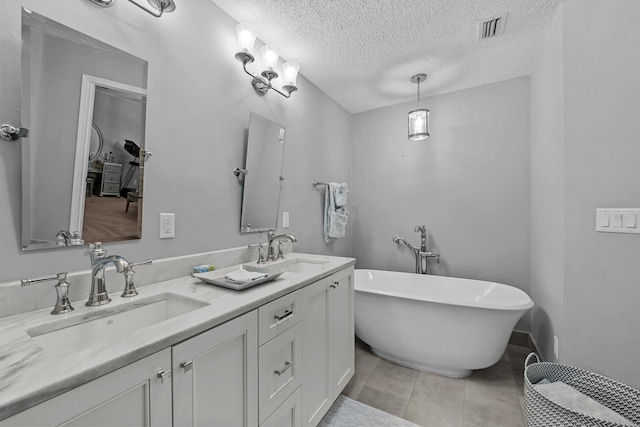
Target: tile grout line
x,y
404,414
368,378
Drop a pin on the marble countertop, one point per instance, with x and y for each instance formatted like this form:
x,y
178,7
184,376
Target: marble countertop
x,y
30,375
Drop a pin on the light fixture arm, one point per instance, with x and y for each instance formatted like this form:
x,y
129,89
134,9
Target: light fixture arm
x,y
162,4
259,83
159,6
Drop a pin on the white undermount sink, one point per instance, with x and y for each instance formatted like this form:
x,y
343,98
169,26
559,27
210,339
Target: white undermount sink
x,y
107,323
303,265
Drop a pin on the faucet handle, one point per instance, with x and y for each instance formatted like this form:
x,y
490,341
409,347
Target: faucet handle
x,y
129,287
63,305
97,249
261,253
420,228
280,254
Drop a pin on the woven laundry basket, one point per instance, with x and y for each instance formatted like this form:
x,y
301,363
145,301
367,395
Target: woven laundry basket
x,y
543,412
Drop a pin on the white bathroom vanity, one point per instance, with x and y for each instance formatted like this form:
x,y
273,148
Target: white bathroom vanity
x,y
183,352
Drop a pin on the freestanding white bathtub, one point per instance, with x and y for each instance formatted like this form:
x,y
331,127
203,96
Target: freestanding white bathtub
x,y
445,325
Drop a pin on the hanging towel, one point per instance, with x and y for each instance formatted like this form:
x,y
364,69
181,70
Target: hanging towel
x,y
340,194
335,216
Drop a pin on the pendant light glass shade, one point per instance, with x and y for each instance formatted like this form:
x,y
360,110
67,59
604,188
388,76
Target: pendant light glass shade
x,y
419,118
419,124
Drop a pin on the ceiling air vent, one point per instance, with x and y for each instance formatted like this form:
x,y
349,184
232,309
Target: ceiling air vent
x,y
492,27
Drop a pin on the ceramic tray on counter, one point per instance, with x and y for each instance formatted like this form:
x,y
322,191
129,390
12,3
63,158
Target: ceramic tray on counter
x,y
217,278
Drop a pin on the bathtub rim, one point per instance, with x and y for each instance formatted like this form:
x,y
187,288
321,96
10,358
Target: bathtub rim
x,y
472,304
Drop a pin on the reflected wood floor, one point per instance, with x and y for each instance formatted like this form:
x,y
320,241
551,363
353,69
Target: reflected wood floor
x,y
488,397
106,221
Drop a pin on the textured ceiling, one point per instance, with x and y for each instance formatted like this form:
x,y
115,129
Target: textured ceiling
x,y
362,53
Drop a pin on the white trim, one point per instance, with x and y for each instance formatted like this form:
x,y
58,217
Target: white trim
x,y
85,119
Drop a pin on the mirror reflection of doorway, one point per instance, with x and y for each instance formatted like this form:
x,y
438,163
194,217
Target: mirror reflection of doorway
x,y
111,208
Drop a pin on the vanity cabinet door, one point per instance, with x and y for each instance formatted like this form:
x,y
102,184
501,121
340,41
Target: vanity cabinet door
x,y
215,378
131,396
316,388
341,331
328,343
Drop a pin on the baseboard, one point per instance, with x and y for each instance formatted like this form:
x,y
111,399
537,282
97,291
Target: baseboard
x,y
523,339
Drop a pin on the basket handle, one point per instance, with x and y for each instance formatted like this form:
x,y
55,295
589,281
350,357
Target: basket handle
x,y
529,359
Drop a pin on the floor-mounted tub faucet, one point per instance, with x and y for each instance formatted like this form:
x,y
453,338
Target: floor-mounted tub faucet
x,y
422,253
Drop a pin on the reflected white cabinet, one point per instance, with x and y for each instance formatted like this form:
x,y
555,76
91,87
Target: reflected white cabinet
x,y
136,395
328,347
215,378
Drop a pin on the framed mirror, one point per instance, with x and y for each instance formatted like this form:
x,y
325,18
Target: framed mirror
x,y
84,103
263,175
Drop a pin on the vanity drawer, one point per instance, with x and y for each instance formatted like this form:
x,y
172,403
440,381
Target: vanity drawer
x,y
289,414
112,167
277,316
112,178
279,370
110,188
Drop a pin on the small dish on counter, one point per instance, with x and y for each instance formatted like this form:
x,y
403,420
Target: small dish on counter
x,y
217,277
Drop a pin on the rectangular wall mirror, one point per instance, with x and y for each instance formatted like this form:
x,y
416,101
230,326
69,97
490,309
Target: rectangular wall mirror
x,y
261,191
84,103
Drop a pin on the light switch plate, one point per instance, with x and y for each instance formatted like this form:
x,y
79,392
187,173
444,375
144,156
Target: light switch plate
x,y
623,220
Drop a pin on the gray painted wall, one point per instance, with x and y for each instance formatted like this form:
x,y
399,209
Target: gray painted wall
x,y
584,156
197,117
468,183
602,169
547,192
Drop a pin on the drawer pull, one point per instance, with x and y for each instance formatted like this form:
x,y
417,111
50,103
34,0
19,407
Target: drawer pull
x,y
287,365
283,316
187,366
164,374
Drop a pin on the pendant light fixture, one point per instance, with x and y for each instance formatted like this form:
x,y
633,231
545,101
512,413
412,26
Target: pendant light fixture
x,y
418,118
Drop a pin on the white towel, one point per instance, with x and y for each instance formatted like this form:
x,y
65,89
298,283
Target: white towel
x,y
335,217
244,276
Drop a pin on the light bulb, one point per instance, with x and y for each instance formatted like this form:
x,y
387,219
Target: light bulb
x,y
270,57
246,38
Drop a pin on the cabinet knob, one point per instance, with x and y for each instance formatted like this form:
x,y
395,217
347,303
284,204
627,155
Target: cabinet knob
x,y
332,286
162,375
336,283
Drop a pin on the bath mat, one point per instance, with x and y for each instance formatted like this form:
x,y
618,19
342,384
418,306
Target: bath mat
x,y
347,412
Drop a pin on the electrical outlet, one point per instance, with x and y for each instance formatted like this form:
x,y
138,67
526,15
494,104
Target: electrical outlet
x,y
555,347
285,219
167,226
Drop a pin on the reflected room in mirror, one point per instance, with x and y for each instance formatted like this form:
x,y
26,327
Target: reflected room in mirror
x,y
263,175
84,102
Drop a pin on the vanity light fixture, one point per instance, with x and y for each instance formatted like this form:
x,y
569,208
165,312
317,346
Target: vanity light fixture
x,y
159,6
262,83
418,118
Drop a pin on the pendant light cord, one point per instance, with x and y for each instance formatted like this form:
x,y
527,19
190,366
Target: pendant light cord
x,y
418,104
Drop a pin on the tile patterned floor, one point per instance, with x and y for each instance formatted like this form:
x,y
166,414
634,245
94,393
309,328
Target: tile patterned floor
x,y
488,397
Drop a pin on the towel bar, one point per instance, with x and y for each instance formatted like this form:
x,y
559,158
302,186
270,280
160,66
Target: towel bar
x,y
316,183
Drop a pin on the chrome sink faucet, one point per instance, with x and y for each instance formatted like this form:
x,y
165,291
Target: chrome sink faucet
x,y
99,260
271,256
